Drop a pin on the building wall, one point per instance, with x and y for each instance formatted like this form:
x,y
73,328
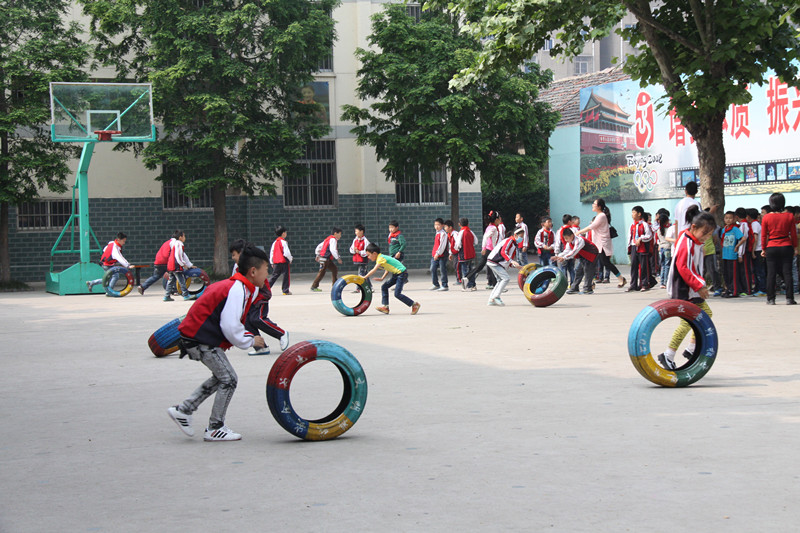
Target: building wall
x,y
148,225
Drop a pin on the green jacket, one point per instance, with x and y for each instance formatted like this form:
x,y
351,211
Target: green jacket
x,y
397,244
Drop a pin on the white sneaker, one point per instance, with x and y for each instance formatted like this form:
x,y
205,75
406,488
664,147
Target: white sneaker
x,y
434,288
285,340
184,421
261,351
498,301
221,434
443,289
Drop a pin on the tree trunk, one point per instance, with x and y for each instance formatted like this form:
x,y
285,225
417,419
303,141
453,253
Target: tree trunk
x,y
454,207
5,257
711,155
220,231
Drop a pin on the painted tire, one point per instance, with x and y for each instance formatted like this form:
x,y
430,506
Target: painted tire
x,y
642,329
196,281
346,413
338,288
551,293
524,272
165,339
107,279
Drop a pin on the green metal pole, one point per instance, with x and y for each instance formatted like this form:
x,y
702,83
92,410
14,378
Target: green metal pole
x,y
82,184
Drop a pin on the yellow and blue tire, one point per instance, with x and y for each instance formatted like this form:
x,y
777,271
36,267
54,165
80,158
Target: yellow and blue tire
x,y
524,272
343,416
165,339
338,289
196,282
545,286
642,329
123,272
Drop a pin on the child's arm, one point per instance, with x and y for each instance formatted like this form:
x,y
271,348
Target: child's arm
x,y
286,253
401,241
230,320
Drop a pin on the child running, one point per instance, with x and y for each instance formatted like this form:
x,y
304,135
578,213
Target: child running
x,y
398,279
112,256
326,253
502,255
685,281
359,251
281,260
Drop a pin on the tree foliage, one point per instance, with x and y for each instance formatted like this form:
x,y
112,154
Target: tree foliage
x,y
226,77
36,47
703,52
416,120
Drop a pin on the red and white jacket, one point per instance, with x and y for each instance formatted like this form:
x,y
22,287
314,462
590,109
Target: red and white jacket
x,y
439,245
162,256
327,248
178,260
686,272
640,229
503,253
112,254
524,226
279,252
359,250
544,237
217,317
465,244
579,247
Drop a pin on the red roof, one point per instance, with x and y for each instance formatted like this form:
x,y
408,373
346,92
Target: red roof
x,y
564,95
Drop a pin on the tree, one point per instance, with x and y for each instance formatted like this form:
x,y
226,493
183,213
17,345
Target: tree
x,y
417,122
226,87
36,47
703,52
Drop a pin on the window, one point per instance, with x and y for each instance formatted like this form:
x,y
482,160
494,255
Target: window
x,y
414,11
326,63
318,187
418,192
583,64
548,45
44,214
174,198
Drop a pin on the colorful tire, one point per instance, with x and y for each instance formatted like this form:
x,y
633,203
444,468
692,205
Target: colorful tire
x,y
338,289
642,329
165,339
524,272
343,416
551,293
196,281
123,272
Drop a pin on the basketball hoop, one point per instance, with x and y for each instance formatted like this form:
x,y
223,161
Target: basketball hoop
x,y
105,135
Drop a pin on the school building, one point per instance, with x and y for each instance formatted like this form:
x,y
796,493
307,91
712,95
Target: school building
x,y
346,187
612,142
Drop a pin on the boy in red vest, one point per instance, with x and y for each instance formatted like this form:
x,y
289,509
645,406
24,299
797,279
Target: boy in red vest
x,y
177,262
359,251
451,243
326,252
439,256
465,248
545,241
281,260
639,236
111,257
159,263
214,323
586,252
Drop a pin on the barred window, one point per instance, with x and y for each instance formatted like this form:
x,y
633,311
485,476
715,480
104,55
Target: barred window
x,y
318,187
583,64
548,45
326,63
44,214
174,198
419,192
414,11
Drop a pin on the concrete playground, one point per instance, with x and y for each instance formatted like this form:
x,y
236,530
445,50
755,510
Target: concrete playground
x,y
478,418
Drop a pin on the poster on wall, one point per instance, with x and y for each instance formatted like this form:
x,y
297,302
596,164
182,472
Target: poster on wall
x,y
316,97
631,151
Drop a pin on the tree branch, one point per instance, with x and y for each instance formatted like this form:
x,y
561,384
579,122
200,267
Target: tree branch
x,y
701,28
644,16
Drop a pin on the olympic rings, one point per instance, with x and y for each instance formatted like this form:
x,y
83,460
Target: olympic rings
x,y
524,272
107,279
639,343
165,339
192,276
557,286
338,288
343,416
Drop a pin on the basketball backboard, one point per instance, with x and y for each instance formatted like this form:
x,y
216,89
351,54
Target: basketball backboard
x,y
79,110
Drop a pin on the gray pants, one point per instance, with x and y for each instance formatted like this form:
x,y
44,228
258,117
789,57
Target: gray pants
x,y
222,381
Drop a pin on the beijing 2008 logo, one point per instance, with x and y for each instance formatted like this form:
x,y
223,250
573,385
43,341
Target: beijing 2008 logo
x,y
645,180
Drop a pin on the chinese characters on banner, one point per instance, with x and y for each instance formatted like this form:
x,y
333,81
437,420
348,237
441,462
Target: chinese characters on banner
x,y
650,154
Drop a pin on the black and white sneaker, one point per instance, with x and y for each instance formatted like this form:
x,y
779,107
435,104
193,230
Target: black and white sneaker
x,y
183,420
221,434
666,363
284,340
687,354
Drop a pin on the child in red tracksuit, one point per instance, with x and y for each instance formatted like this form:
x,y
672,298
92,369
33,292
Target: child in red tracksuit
x,y
586,252
327,255
639,237
359,251
280,257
